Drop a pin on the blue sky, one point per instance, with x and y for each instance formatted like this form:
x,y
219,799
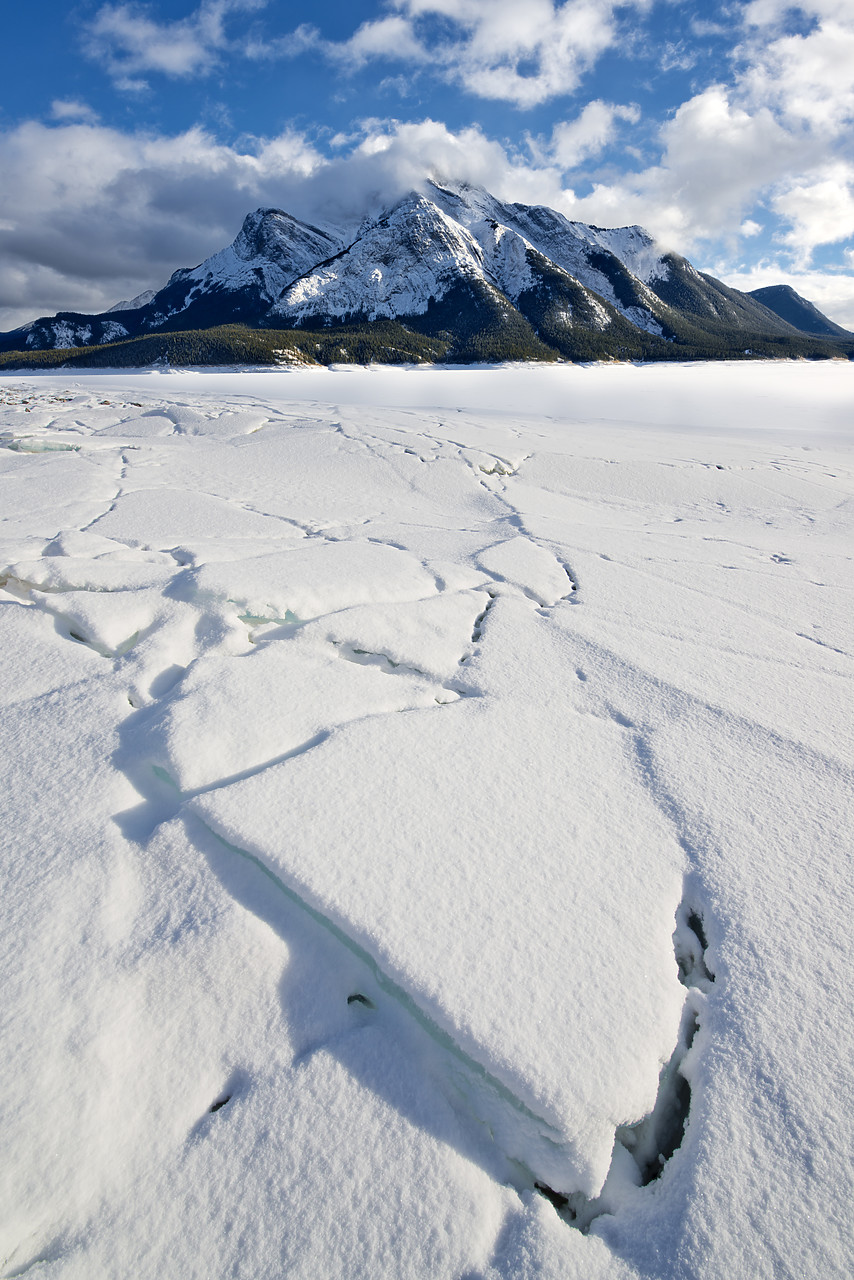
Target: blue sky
x,y
134,137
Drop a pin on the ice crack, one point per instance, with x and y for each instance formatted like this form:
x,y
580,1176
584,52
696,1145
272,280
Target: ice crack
x,y
642,1151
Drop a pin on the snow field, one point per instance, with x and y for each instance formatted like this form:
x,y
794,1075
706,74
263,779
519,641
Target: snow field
x,y
414,799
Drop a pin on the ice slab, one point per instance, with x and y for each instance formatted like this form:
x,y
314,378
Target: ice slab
x,y
163,517
471,868
224,1069
45,494
68,891
433,636
66,573
229,716
317,577
148,427
108,621
51,662
84,544
529,566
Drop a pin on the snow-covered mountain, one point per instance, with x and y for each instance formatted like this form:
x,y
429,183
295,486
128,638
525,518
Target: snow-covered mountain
x,y
413,253
495,280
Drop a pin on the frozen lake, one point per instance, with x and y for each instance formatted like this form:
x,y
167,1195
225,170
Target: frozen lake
x,y
426,827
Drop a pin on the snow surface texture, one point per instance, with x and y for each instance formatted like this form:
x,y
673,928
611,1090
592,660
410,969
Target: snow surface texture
x,y
426,823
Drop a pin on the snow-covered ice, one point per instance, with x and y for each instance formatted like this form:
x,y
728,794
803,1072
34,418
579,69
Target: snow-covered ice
x,y
426,823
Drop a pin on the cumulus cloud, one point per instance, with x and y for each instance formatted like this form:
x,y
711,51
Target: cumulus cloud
x,y
807,77
523,54
71,109
89,214
497,49
778,131
391,38
820,211
574,141
126,40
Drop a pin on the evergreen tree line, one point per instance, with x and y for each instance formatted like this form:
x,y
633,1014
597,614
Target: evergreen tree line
x,y
468,326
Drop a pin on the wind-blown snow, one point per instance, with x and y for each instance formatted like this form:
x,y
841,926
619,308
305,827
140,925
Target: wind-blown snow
x,y
111,330
68,334
426,820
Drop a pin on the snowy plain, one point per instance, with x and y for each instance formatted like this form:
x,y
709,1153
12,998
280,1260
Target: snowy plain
x,y
427,820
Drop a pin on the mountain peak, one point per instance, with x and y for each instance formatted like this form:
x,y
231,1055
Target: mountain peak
x,y
790,306
278,236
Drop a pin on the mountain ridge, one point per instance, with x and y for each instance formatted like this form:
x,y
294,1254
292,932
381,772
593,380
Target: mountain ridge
x,y
489,279
805,315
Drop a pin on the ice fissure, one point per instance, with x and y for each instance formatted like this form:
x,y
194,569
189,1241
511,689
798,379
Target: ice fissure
x,y
652,1141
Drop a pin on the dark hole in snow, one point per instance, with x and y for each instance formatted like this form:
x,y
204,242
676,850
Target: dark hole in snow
x,y
358,998
80,639
695,924
557,1198
691,950
220,1103
674,1107
652,1141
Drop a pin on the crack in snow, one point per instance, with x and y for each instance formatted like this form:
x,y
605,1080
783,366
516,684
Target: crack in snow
x,y
652,1141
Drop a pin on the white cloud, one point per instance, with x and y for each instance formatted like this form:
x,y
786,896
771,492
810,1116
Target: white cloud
x,y
808,79
677,56
715,158
127,41
89,215
499,49
392,37
819,212
831,292
778,131
299,41
67,109
574,141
